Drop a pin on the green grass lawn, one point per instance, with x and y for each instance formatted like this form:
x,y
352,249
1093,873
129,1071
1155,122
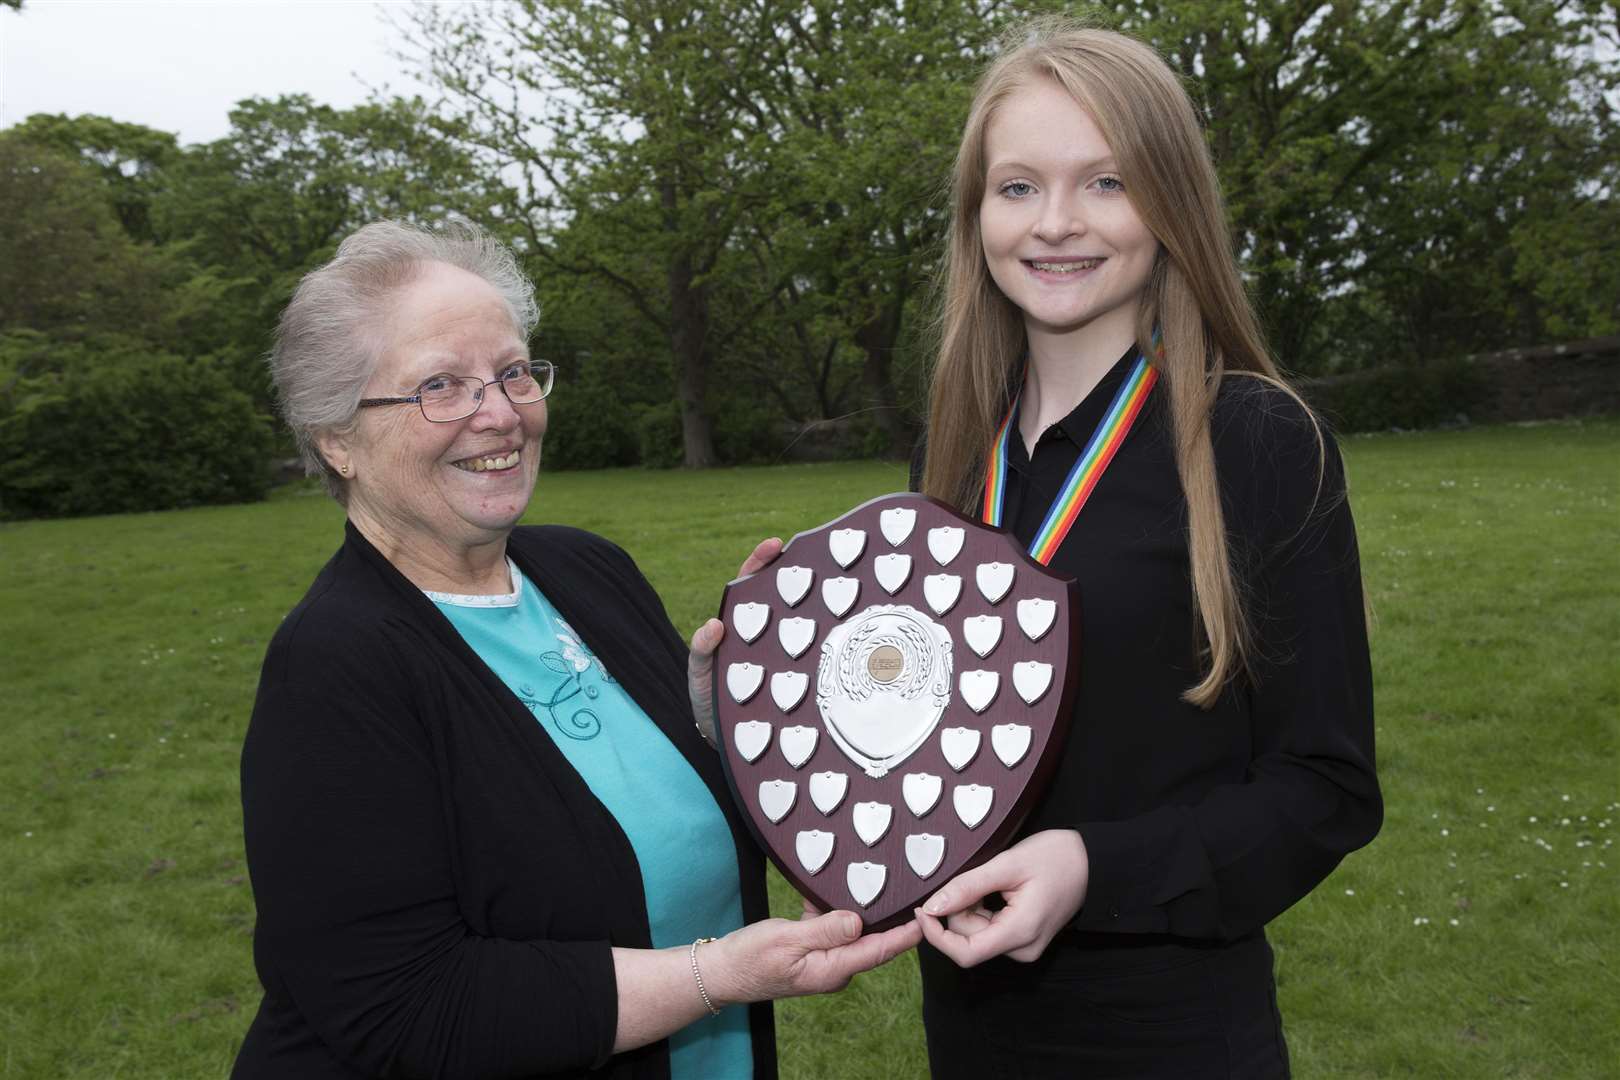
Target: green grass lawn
x,y
1479,936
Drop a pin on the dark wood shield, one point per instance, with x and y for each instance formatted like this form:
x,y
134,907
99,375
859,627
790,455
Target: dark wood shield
x,y
892,696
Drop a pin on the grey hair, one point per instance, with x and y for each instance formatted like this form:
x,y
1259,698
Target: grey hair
x,y
329,337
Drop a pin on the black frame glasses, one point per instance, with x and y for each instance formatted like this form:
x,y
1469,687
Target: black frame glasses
x,y
543,373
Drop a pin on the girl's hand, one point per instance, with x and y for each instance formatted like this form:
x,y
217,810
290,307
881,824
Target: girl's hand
x,y
782,958
1042,878
700,662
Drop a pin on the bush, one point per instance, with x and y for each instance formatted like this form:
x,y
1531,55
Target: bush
x,y
1407,396
164,434
746,432
659,441
589,426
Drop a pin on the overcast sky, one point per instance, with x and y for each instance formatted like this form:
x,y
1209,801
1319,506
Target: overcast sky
x,y
179,65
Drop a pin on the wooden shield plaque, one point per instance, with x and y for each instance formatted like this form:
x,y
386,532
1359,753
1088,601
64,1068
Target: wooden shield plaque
x,y
892,694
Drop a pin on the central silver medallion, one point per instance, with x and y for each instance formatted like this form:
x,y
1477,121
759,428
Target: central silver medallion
x,y
883,684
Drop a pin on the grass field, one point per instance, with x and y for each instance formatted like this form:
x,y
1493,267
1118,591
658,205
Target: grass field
x,y
1479,936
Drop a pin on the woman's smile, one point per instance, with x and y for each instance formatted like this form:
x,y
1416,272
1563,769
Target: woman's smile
x,y
1064,268
502,461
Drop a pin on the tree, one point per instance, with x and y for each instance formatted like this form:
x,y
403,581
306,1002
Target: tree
x,y
151,275
131,160
85,314
616,117
1384,159
759,180
257,209
293,176
865,136
66,265
760,184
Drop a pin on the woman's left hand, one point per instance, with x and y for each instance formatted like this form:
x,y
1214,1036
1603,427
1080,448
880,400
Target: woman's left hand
x,y
700,662
1043,879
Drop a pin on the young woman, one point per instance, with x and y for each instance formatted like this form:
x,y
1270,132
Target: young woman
x,y
1099,355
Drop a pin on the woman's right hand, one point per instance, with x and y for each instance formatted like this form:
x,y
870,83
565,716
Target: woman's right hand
x,y
780,958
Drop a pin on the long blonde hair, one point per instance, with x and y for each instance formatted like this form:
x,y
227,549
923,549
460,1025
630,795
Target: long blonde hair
x,y
1194,296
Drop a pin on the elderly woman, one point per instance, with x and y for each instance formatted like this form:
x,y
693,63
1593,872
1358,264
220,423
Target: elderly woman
x,y
485,836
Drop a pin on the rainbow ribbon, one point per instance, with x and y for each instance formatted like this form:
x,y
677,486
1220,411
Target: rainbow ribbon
x,y
1088,467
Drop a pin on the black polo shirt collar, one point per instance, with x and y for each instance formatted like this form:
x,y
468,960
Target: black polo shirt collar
x,y
1032,485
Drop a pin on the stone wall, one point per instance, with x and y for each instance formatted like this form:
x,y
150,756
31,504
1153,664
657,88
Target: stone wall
x,y
1548,382
1577,378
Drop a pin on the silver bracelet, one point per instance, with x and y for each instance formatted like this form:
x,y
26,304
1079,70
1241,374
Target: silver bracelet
x,y
698,975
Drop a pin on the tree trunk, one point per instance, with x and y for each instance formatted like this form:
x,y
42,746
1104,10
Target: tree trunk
x,y
877,341
689,334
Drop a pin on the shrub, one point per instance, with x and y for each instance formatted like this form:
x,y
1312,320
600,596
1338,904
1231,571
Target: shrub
x,y
659,442
589,426
743,433
163,434
1407,396
746,432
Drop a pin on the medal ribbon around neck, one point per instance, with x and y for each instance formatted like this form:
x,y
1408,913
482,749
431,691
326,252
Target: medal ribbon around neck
x,y
1088,467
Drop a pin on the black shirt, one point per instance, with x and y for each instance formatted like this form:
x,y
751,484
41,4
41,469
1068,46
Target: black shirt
x,y
1208,823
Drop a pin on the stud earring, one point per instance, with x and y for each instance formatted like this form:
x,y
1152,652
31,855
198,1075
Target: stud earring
x,y
344,470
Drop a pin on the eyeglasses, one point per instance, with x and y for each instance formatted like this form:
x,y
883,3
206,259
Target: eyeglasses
x,y
445,399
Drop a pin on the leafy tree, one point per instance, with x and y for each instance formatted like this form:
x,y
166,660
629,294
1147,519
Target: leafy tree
x,y
85,312
608,368
130,158
744,200
255,210
139,276
621,122
294,176
1406,160
863,139
66,265
759,181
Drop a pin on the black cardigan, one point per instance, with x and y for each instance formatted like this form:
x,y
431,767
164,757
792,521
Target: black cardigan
x,y
1206,824
438,891
1210,823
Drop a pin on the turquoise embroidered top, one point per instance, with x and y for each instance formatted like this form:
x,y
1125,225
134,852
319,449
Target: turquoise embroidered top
x,y
680,837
